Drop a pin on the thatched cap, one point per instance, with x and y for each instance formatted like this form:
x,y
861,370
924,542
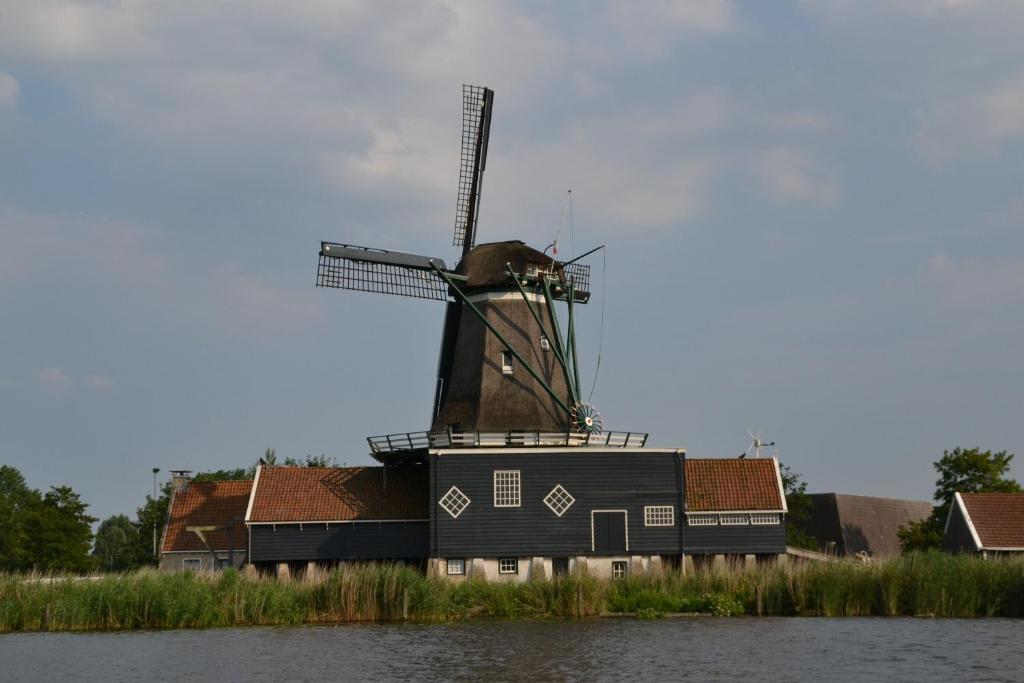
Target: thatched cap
x,y
485,264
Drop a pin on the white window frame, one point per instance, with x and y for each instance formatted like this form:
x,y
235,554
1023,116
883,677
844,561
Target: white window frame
x,y
456,563
559,490
765,518
507,489
659,515
506,362
508,565
734,519
620,569
192,564
458,492
702,519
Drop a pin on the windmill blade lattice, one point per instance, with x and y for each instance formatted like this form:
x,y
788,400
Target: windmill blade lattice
x,y
363,269
476,131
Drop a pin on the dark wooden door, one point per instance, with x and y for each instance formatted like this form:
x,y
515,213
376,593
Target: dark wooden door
x,y
609,532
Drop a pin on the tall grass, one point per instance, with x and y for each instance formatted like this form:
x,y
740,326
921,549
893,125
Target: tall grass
x,y
927,584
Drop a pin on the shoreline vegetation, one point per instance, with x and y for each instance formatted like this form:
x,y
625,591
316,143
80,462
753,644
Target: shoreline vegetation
x,y
920,584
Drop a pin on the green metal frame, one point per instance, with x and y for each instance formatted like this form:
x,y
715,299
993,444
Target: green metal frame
x,y
508,347
557,348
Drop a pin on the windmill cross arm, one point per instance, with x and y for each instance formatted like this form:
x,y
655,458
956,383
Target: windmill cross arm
x,y
383,256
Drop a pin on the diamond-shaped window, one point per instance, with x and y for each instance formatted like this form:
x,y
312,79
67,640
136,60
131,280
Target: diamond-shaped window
x,y
559,500
454,502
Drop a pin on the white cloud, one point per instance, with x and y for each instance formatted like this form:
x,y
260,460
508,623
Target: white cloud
x,y
8,90
788,175
650,29
975,285
59,30
972,124
98,382
54,379
90,252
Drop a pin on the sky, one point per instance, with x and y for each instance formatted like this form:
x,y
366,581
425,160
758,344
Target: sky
x,y
813,215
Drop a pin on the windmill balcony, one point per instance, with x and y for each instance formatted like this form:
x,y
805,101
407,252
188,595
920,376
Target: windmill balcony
x,y
413,444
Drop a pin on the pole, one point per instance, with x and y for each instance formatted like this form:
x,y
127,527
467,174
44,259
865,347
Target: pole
x,y
156,470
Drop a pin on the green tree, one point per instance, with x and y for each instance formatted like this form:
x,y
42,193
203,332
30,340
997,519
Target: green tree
x,y
964,470
798,504
117,544
310,461
150,520
59,532
16,501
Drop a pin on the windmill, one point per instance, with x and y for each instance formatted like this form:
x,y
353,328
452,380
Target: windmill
x,y
756,444
504,365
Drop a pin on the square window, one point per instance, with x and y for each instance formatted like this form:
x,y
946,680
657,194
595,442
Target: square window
x,y
764,518
702,520
619,569
192,565
559,500
457,567
454,502
659,515
506,363
508,565
734,520
506,489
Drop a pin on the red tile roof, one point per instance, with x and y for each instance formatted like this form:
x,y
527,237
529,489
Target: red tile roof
x,y
997,517
330,494
208,503
717,485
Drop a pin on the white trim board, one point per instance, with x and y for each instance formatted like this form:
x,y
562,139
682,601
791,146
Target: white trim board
x,y
252,493
733,512
338,521
970,524
778,478
589,450
203,552
505,296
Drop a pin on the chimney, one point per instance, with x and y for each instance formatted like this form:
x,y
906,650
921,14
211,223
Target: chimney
x,y
180,479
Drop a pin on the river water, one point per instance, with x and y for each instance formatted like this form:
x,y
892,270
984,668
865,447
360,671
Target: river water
x,y
784,649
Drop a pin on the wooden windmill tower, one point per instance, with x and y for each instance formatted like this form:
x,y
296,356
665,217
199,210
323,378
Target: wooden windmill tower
x,y
505,365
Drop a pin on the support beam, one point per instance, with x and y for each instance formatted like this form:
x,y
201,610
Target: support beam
x,y
508,347
556,348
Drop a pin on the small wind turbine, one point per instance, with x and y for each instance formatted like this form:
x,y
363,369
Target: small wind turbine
x,y
756,444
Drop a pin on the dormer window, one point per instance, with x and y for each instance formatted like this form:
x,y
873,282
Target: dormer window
x,y
506,363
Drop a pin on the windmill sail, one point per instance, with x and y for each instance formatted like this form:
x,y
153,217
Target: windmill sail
x,y
476,129
363,269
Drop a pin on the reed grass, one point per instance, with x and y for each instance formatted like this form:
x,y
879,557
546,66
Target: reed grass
x,y
931,584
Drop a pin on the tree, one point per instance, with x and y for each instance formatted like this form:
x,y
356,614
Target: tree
x,y
16,499
117,544
152,515
798,504
59,532
964,470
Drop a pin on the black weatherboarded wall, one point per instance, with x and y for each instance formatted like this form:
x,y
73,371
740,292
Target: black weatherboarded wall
x,y
614,479
339,541
753,539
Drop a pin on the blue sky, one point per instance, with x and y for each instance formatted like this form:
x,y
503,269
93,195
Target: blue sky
x,y
813,214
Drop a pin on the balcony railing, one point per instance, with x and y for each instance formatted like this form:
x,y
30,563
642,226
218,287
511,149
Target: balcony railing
x,y
411,442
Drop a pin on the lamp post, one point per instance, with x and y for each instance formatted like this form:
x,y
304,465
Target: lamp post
x,y
156,470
